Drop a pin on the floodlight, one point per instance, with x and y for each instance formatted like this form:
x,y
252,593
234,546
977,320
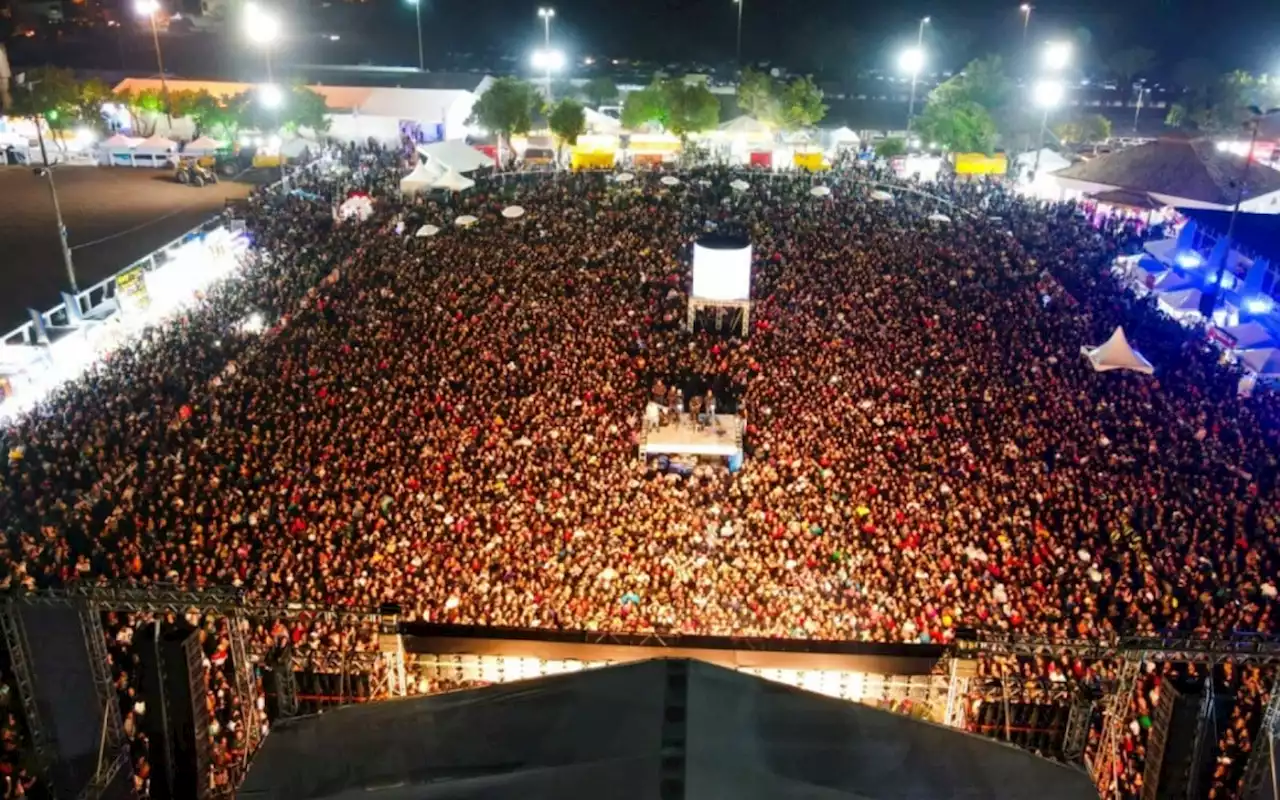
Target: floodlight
x,y
548,59
1057,55
1048,94
270,95
912,60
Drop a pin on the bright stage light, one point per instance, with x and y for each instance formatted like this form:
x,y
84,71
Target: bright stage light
x,y
722,268
270,95
548,59
1057,55
146,8
911,61
1048,94
261,25
1259,305
1188,259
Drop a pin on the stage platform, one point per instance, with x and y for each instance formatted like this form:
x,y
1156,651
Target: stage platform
x,y
723,439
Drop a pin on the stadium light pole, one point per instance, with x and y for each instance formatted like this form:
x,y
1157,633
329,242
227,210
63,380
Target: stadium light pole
x,y
263,29
1048,96
550,61
1057,55
1026,9
149,9
46,172
546,15
912,61
915,73
417,10
738,51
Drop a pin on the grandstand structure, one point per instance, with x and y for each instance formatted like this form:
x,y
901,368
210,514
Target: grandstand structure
x,y
931,682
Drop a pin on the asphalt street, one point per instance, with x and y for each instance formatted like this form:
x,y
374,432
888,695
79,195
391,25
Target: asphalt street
x,y
114,216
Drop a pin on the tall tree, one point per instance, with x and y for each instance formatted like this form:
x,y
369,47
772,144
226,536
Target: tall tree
x,y
50,96
145,108
962,127
567,121
692,108
1085,128
800,104
600,91
1130,62
758,95
642,107
507,108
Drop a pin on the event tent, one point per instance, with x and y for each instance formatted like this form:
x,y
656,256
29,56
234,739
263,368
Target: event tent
x,y
1265,362
843,135
1249,335
1180,301
1050,161
745,125
202,145
601,123
458,156
427,176
666,728
1116,353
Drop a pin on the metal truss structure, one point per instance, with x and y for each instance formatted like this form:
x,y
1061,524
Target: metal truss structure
x,y
15,639
1076,737
1260,770
1191,650
1113,722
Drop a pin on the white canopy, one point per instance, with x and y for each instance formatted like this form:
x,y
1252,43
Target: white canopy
x,y
119,142
203,144
844,135
1249,335
466,220
513,212
156,144
1115,353
1265,361
600,123
669,180
820,191
453,181
1162,249
939,218
433,175
427,230
745,125
1180,301
625,177
881,195
358,206
1171,281
454,155
739,185
1050,161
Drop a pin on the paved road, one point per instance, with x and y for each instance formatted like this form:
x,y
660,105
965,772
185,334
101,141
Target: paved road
x,y
114,216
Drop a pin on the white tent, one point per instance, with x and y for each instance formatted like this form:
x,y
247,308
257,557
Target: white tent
x,y
843,135
427,230
745,125
1172,281
1162,249
1050,161
454,155
1249,336
881,195
1265,361
939,218
600,123
453,181
202,146
1182,301
156,144
420,179
120,143
1115,353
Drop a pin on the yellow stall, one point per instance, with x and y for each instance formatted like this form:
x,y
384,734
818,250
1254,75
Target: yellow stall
x,y
591,159
980,164
810,161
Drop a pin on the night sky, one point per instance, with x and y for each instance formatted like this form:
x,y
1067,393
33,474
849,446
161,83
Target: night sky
x,y
826,34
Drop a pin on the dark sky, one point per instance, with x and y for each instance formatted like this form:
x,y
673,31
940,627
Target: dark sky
x,y
826,33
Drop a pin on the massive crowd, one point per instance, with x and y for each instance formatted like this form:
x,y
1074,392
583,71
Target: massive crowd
x,y
451,423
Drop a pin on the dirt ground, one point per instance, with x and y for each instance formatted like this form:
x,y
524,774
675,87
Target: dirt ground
x,y
114,216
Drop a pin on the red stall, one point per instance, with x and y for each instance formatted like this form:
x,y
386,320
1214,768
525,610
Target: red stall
x,y
762,159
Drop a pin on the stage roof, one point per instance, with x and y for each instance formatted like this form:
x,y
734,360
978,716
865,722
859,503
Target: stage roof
x,y
652,729
1194,170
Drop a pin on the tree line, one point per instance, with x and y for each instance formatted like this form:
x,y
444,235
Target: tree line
x,y
65,102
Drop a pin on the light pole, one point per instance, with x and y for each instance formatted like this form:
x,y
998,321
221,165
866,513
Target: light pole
x,y
912,61
915,73
272,98
149,9
1047,95
546,14
417,9
263,29
46,172
1138,110
738,51
1025,8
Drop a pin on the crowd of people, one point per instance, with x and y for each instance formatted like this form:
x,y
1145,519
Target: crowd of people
x,y
451,423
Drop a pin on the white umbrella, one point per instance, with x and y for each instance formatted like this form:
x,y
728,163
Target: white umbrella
x,y
513,212
881,195
740,185
670,180
939,218
465,220
625,177
820,191
427,230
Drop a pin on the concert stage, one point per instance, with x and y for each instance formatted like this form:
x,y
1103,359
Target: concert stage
x,y
723,439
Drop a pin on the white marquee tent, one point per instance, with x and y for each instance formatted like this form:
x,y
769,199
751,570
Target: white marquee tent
x,y
1265,362
458,156
1249,335
202,146
1115,353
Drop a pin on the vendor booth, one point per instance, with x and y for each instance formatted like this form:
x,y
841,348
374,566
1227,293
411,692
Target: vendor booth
x,y
117,151
154,151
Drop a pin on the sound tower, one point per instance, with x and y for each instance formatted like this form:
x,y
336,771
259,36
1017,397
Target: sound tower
x,y
177,718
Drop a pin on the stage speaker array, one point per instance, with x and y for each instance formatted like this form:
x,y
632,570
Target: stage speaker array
x,y
177,718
